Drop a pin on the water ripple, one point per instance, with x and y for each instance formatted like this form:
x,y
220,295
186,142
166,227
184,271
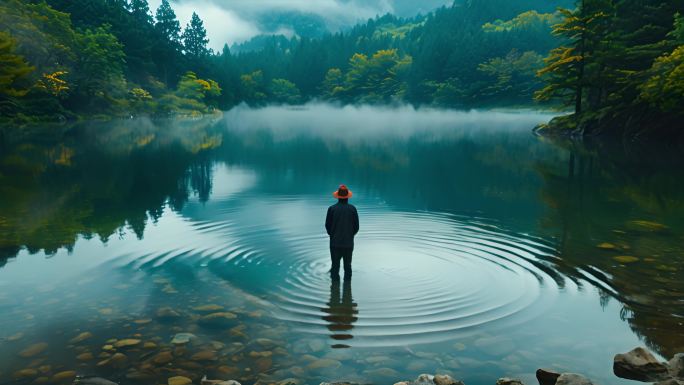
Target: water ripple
x,y
418,276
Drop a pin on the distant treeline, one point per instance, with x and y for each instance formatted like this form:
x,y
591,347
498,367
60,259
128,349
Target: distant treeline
x,y
605,58
69,57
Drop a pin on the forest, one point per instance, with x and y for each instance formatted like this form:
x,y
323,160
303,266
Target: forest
x,y
613,63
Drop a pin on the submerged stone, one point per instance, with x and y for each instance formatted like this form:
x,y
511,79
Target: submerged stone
x,y
646,225
25,373
182,338
93,381
221,319
66,375
149,346
167,314
626,258
163,358
127,343
228,370
85,356
205,355
81,337
208,308
606,246
382,372
324,363
495,346
33,350
140,376
266,343
179,380
117,361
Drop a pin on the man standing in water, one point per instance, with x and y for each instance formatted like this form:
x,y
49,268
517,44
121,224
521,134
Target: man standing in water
x,y
342,224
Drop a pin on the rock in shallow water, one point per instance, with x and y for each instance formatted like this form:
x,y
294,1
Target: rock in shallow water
x,y
222,319
167,314
205,355
81,337
163,358
64,376
179,380
182,338
206,381
117,361
33,350
126,343
640,365
573,379
93,381
495,346
208,308
25,373
547,376
87,356
676,366
424,379
508,381
324,364
444,379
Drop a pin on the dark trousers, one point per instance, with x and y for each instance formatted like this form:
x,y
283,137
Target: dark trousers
x,y
337,254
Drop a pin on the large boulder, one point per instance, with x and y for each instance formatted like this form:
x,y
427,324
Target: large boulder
x,y
573,379
547,376
640,365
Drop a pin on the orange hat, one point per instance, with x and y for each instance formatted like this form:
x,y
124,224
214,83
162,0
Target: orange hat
x,y
342,192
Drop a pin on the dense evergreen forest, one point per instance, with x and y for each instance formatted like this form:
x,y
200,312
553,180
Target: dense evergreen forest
x,y
610,60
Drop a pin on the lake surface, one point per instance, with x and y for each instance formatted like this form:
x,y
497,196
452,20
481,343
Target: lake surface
x,y
484,251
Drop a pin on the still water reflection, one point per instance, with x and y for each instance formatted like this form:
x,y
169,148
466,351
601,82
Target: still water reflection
x,y
340,313
484,251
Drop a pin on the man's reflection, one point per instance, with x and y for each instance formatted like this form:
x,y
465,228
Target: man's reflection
x,y
341,313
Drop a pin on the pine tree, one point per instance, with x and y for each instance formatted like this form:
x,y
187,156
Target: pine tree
x,y
566,66
167,24
195,38
141,10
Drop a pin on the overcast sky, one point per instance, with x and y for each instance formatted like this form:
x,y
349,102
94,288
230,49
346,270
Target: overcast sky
x,y
229,21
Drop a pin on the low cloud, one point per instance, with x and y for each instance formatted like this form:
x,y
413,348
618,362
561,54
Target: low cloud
x,y
370,124
231,21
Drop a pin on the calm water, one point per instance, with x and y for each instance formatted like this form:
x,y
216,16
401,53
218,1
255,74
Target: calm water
x,y
484,251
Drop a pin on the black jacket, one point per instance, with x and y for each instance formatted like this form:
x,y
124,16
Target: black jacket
x,y
342,223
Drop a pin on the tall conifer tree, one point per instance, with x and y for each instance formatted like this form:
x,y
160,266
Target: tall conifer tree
x,y
167,24
141,10
195,38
